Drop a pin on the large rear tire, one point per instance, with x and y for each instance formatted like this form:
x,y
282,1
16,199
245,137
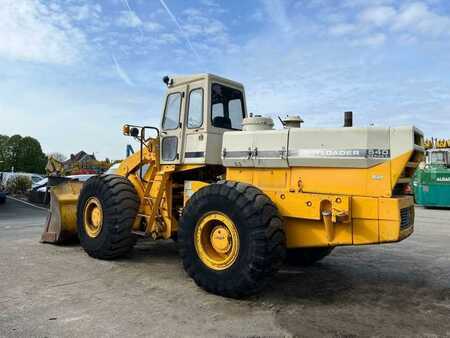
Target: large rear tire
x,y
231,239
307,256
107,208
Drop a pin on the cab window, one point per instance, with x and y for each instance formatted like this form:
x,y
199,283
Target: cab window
x,y
438,157
172,111
195,112
227,109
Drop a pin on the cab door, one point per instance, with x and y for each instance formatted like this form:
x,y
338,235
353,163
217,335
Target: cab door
x,y
172,128
195,129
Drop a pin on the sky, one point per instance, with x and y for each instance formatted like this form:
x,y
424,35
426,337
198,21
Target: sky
x,y
72,72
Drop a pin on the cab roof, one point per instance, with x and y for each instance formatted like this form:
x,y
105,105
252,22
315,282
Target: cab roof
x,y
184,79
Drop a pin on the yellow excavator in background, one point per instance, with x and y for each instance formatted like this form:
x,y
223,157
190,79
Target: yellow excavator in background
x,y
237,194
54,167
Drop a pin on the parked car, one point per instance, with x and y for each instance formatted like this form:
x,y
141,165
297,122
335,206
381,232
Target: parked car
x,y
81,178
2,193
40,184
2,197
39,190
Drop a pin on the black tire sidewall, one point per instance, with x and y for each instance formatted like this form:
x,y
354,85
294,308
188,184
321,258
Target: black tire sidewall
x,y
92,188
120,204
261,238
220,204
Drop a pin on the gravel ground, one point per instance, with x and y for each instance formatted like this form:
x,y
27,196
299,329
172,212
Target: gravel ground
x,y
399,289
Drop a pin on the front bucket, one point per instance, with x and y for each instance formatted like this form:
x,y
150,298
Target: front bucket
x,y
61,224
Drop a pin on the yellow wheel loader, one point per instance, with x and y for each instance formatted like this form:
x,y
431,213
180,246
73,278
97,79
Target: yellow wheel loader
x,y
236,194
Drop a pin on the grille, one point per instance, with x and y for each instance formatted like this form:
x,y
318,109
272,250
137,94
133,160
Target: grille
x,y
406,218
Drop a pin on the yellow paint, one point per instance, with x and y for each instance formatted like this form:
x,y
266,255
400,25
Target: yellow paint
x,y
320,206
365,231
271,178
244,175
366,213
186,167
132,163
309,233
365,220
216,241
154,190
398,164
364,207
62,222
389,210
93,217
191,187
375,181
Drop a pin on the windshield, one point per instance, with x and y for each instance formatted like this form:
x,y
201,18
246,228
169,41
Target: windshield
x,y
41,182
172,111
36,179
438,157
227,109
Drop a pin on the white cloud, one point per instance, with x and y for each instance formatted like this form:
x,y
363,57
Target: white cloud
x,y
192,12
33,31
365,3
210,3
198,24
371,40
378,16
122,73
85,11
299,72
374,24
167,38
277,13
257,16
417,17
129,19
152,26
342,29
180,28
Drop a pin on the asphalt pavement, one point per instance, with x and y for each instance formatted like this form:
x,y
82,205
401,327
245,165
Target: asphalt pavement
x,y
400,289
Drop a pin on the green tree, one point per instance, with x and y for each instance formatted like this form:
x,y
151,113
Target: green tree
x,y
22,154
13,152
3,152
30,157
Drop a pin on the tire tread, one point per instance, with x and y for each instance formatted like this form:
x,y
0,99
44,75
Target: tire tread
x,y
266,234
120,206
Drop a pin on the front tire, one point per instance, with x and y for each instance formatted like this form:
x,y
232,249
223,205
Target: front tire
x,y
107,208
231,239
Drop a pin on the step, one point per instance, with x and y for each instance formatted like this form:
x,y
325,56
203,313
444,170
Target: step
x,y
404,180
140,233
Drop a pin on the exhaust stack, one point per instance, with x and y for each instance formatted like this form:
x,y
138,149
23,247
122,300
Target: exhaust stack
x,y
348,119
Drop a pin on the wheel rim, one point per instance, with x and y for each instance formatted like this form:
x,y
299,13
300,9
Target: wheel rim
x,y
216,240
93,217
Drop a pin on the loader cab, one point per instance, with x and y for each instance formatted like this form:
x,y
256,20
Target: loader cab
x,y
196,112
439,157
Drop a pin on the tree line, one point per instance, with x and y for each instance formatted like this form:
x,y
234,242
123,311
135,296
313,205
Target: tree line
x,y
23,154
